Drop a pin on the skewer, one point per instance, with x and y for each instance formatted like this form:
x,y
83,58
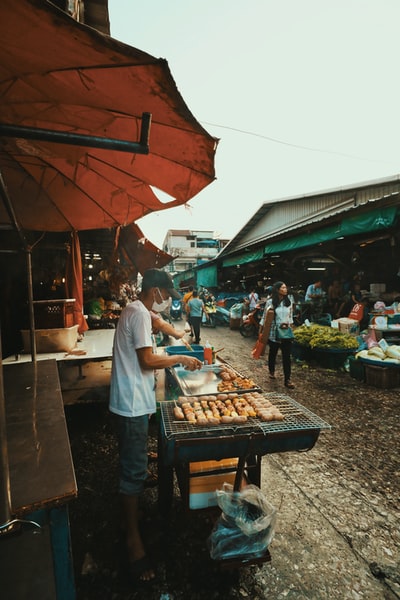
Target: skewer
x,y
188,346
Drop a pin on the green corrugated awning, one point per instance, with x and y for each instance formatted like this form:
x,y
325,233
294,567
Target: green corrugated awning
x,y
374,220
244,258
207,276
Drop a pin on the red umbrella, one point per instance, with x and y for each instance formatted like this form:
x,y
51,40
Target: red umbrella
x,y
136,249
74,154
126,251
68,80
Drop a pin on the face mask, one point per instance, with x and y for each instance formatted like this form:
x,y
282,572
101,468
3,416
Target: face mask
x,y
160,306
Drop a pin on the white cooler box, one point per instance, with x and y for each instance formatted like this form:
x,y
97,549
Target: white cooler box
x,y
51,340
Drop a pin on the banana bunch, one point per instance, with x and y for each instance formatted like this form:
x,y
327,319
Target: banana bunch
x,y
320,336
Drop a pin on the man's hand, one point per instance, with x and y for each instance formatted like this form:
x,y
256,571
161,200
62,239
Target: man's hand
x,y
178,335
191,363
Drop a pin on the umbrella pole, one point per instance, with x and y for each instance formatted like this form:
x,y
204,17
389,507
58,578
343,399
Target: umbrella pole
x,y
28,257
5,494
28,252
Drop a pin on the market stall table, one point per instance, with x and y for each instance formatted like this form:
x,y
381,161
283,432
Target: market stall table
x,y
36,560
85,371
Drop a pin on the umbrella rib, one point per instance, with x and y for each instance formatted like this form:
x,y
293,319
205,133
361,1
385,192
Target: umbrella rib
x,y
171,204
40,186
47,165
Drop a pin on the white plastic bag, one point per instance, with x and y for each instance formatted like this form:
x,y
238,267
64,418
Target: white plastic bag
x,y
247,524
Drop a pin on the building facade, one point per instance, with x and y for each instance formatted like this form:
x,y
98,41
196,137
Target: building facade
x,y
191,248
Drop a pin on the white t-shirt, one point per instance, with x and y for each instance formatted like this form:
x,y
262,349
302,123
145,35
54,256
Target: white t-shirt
x,y
132,388
253,297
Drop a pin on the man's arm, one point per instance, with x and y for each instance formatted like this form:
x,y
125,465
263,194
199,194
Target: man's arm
x,y
167,328
149,360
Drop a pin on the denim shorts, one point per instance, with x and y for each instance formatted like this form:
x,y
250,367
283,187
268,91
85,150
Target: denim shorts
x,y
132,434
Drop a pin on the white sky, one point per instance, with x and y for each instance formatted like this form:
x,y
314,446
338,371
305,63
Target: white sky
x,y
303,94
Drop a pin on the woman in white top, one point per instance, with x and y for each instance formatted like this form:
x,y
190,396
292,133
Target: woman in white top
x,y
283,309
253,299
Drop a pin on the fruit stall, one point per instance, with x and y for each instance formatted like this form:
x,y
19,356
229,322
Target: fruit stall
x,y
371,358
327,346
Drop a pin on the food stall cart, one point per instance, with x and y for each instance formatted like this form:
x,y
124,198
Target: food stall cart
x,y
35,548
182,443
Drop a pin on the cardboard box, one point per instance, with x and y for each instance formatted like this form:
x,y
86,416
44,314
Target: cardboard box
x,y
51,340
351,326
377,288
202,488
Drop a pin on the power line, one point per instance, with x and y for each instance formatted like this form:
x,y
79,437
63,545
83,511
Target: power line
x,y
308,148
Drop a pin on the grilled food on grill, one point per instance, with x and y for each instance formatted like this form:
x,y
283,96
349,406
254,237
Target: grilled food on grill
x,y
226,408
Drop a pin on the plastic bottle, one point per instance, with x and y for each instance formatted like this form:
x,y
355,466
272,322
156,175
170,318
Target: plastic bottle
x,y
207,354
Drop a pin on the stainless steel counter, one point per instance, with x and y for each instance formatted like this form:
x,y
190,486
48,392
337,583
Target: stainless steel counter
x,y
40,462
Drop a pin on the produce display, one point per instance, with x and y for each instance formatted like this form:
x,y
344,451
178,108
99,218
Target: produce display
x,y
321,336
225,409
389,354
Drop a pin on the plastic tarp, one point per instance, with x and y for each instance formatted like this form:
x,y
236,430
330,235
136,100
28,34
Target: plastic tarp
x,y
382,218
207,276
244,258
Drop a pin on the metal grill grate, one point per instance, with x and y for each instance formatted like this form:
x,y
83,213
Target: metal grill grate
x,y
297,418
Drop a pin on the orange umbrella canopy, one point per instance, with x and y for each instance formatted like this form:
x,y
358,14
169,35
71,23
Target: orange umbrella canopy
x,y
61,76
136,249
73,281
132,254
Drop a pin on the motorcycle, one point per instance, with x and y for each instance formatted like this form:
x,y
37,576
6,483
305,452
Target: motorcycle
x,y
210,309
250,324
175,310
221,316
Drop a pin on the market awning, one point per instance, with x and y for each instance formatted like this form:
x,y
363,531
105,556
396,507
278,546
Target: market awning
x,y
375,220
207,276
244,258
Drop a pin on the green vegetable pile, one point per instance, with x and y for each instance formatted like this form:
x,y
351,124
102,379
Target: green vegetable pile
x,y
320,336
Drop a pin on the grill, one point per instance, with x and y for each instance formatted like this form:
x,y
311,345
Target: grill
x,y
297,418
181,443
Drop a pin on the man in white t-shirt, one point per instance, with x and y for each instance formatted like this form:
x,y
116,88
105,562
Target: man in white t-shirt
x,y
133,401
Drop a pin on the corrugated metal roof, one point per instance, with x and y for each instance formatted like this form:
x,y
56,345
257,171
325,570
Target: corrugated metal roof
x,y
278,218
